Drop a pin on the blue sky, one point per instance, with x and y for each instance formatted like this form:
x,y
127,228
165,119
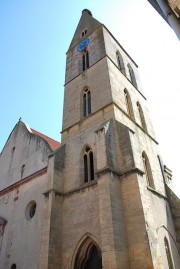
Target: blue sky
x,y
35,36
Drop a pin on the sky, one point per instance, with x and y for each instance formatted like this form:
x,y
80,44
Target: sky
x,y
35,36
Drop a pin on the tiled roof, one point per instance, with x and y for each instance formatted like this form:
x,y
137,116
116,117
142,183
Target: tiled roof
x,y
52,143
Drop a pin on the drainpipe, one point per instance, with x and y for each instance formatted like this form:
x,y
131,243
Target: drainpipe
x,y
170,16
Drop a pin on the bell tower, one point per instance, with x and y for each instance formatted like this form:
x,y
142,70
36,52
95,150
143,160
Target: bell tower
x,y
105,182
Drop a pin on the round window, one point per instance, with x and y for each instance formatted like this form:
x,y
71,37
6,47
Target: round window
x,y
30,210
13,266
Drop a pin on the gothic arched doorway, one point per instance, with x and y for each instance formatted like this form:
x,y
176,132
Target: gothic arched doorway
x,y
88,256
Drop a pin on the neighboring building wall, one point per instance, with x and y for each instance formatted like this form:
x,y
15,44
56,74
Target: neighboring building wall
x,y
175,5
170,11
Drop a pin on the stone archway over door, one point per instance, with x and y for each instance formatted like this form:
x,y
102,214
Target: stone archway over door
x,y
88,256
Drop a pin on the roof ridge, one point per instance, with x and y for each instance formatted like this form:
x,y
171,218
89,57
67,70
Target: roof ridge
x,y
43,134
54,144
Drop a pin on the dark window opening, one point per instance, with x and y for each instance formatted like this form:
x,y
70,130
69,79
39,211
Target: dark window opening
x,y
147,170
85,60
132,76
89,102
22,170
120,63
91,165
89,257
13,151
88,165
32,211
86,103
85,168
13,266
12,156
84,33
127,102
141,115
94,261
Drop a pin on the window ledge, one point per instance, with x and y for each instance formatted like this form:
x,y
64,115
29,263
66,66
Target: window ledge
x,y
156,192
82,187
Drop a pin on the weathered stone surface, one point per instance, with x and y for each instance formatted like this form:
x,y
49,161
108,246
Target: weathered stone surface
x,y
116,213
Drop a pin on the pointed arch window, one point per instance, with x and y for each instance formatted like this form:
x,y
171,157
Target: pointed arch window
x,y
85,60
86,102
120,63
22,170
132,76
141,115
12,156
168,254
128,104
88,256
12,153
88,164
147,170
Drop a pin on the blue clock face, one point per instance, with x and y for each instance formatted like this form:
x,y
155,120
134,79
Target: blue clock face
x,y
83,45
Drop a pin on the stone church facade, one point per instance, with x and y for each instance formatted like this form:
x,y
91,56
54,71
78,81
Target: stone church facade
x,y
102,198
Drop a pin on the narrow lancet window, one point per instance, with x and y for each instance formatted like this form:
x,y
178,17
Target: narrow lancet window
x,y
12,155
86,102
120,62
128,104
22,170
132,76
147,170
88,165
85,168
168,254
141,116
85,60
89,102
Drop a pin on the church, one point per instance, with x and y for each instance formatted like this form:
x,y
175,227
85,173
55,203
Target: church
x,y
102,198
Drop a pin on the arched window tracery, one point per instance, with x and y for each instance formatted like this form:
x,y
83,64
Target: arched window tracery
x,y
128,104
88,164
132,76
88,256
147,170
85,60
86,102
141,116
120,62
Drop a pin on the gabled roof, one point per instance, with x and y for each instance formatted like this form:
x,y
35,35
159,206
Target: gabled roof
x,y
52,143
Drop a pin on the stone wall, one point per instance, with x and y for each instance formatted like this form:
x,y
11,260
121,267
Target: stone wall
x,y
20,243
